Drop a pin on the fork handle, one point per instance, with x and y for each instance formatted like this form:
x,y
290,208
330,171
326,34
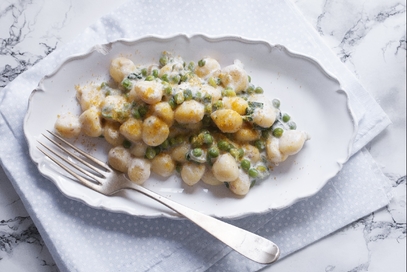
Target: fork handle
x,y
246,243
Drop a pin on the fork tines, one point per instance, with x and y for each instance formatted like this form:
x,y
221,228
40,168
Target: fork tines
x,y
67,156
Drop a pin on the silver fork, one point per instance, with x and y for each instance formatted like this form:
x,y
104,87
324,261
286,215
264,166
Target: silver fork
x,y
108,182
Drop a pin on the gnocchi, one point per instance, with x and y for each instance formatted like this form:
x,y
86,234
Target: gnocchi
x,y
199,120
68,126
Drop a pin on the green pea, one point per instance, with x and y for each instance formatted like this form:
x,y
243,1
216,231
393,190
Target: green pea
x,y
184,77
208,108
150,153
157,150
143,109
206,120
292,125
179,98
213,152
172,141
228,92
165,144
207,98
258,90
198,96
245,164
168,90
201,63
250,89
149,78
126,84
187,94
208,139
155,73
223,145
260,145
172,103
126,144
286,118
276,103
136,113
241,153
144,72
196,141
165,78
277,132
212,82
218,105
253,173
191,66
234,152
176,79
163,60
179,139
197,152
261,168
178,167
265,134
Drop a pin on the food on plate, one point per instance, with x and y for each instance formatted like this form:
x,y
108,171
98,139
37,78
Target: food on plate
x,y
200,120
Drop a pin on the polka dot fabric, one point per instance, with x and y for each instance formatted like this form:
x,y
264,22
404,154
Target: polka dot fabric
x,y
81,238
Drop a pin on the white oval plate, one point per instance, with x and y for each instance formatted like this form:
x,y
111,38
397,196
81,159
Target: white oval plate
x,y
307,92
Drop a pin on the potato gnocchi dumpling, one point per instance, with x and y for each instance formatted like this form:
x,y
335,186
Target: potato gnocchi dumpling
x,y
91,122
139,170
195,119
163,165
68,125
112,134
241,185
192,172
120,68
225,168
206,67
234,76
227,120
89,96
119,158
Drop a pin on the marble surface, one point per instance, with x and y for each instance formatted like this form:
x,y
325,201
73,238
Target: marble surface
x,y
369,37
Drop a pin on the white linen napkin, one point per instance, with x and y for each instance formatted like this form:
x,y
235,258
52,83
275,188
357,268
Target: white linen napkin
x,y
81,238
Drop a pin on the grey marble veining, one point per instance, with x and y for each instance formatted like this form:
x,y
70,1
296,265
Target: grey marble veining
x,y
19,59
368,36
18,235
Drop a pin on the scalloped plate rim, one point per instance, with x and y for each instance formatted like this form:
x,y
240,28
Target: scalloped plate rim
x,y
101,47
